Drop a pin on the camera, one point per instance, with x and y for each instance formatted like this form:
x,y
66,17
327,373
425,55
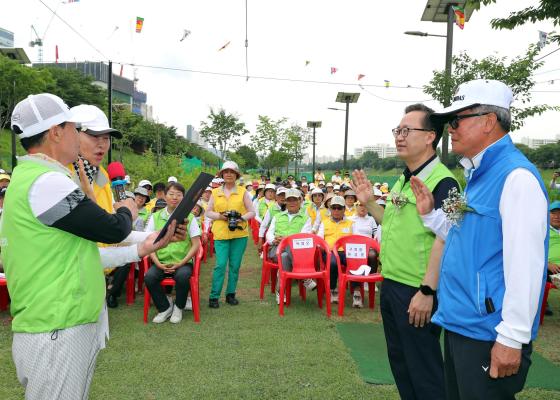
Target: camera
x,y
232,218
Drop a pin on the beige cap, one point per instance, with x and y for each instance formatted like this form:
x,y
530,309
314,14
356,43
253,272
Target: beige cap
x,y
338,200
293,193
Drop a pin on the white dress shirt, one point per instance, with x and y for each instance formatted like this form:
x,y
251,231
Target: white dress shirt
x,y
523,209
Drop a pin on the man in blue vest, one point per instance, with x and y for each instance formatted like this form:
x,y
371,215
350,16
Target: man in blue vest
x,y
494,261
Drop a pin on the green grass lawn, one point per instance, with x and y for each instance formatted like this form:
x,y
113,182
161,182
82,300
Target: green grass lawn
x,y
245,352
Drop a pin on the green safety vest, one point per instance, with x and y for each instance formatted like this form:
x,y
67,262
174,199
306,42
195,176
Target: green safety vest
x,y
406,243
144,214
554,247
274,209
55,278
285,227
175,251
264,206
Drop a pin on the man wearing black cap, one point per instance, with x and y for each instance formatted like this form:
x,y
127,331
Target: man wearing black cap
x,y
494,262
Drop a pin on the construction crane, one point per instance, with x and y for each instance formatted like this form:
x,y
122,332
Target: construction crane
x,y
39,43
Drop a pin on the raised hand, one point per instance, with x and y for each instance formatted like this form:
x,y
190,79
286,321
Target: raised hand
x,y
362,186
424,197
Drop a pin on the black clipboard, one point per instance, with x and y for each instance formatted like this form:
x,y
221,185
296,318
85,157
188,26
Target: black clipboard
x,y
187,204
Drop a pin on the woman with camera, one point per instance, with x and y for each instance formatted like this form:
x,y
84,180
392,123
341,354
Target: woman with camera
x,y
230,207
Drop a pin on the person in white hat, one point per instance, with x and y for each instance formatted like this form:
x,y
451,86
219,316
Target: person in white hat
x,y
492,277
266,201
274,208
329,187
408,291
319,176
314,209
52,263
350,198
171,179
230,236
288,222
158,191
332,227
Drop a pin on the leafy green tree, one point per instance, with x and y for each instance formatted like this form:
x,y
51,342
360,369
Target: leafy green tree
x,y
517,74
16,83
545,10
251,160
222,131
296,140
75,87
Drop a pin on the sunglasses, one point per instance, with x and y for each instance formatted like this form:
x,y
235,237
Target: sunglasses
x,y
337,208
454,123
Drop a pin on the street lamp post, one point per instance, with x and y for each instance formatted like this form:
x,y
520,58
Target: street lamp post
x,y
347,98
314,125
442,11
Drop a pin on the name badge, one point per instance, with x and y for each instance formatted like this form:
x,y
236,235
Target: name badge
x,y
345,230
302,243
354,250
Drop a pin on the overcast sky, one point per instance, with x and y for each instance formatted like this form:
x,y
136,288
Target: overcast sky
x,y
355,36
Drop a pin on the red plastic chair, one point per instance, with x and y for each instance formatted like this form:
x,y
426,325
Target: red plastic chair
x,y
131,284
268,272
4,295
307,263
255,226
361,245
547,288
193,281
211,244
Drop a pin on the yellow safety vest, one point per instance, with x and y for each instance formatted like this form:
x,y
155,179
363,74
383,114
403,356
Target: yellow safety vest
x,y
336,230
221,204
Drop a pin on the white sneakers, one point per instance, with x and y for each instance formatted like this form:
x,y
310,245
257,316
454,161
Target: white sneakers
x,y
334,296
188,306
357,300
309,284
176,316
163,316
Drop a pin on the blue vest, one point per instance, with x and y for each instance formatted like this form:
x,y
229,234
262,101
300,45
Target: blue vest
x,y
472,271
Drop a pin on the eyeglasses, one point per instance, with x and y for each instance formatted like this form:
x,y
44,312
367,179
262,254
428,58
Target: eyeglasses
x,y
405,131
454,123
337,208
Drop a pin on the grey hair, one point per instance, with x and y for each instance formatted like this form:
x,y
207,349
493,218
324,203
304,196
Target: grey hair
x,y
503,115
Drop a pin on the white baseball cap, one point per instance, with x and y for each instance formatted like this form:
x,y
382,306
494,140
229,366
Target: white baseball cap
x,y
171,179
281,190
477,92
317,191
39,112
270,186
329,184
338,200
145,182
377,191
97,124
304,184
293,193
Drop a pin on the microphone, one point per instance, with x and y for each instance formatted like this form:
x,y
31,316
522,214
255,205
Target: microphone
x,y
118,182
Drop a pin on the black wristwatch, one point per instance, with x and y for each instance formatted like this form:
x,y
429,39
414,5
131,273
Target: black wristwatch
x,y
426,290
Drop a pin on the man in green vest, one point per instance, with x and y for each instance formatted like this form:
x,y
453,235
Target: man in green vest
x,y
293,220
408,289
553,245
54,269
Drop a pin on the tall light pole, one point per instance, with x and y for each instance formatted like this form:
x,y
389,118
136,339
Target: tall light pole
x,y
314,124
347,98
442,11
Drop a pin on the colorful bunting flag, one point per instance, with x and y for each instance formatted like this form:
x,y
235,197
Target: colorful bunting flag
x,y
333,70
459,16
186,33
542,39
307,62
224,46
72,1
139,24
360,76
387,83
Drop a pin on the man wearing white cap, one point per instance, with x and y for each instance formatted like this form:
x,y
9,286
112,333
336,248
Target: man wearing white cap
x,y
494,262
48,235
277,207
171,179
229,241
408,292
288,222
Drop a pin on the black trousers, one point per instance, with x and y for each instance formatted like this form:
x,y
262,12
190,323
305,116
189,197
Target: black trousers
x,y
467,370
414,353
153,278
119,278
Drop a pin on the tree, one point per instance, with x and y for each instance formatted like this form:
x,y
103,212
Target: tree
x,y
517,75
16,83
547,9
296,140
249,156
222,131
270,142
75,87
